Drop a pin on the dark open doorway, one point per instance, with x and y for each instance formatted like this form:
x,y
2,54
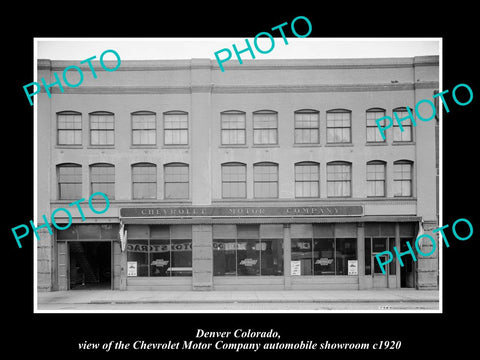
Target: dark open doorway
x,y
407,271
90,265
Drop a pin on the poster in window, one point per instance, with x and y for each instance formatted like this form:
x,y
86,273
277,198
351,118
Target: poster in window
x,y
131,268
295,267
352,267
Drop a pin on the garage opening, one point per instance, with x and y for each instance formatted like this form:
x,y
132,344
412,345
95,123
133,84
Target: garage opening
x,y
90,265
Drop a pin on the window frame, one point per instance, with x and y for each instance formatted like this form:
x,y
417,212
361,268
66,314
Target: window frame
x,y
296,127
255,181
410,180
377,162
335,163
59,183
154,129
233,164
244,129
374,127
255,115
305,164
165,182
349,127
139,165
106,131
69,113
181,129
396,127
103,165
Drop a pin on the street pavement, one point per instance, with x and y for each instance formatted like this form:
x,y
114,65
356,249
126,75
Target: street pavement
x,y
290,300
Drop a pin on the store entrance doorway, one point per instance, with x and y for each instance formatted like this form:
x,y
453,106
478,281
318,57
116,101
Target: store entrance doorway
x,y
90,265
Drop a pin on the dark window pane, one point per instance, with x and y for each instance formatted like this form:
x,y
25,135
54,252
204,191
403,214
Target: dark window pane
x,y
137,250
248,257
224,258
271,257
323,253
181,252
159,257
302,251
346,249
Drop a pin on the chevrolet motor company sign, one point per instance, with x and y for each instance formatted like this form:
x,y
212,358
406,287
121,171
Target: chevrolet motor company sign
x,y
241,211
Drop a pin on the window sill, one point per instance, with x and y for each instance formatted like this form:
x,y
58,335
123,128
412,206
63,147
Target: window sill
x,y
400,143
242,146
175,147
376,143
340,145
306,145
101,147
68,146
143,147
265,146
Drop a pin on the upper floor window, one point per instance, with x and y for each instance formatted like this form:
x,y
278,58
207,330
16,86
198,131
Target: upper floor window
x,y
375,178
176,181
406,134
102,179
144,181
339,126
69,178
373,133
265,180
175,128
234,180
102,128
233,127
265,127
402,178
306,179
69,127
339,179
144,128
307,124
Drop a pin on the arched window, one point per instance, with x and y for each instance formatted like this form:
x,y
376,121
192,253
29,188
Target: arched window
x,y
402,178
234,180
339,179
144,128
265,180
144,181
265,127
373,133
69,128
176,179
102,128
307,179
406,125
69,177
233,127
102,179
175,128
376,178
307,125
339,126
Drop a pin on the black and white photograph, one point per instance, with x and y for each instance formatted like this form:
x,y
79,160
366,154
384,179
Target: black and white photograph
x,y
261,189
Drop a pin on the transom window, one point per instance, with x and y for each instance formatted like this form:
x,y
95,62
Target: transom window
x,y
233,127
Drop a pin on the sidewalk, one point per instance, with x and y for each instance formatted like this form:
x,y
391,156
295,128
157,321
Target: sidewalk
x,y
291,296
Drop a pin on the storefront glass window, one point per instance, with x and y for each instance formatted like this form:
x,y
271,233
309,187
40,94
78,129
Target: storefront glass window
x,y
345,249
246,253
302,251
323,252
158,251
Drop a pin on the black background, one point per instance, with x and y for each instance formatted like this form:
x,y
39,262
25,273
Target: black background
x,y
55,335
